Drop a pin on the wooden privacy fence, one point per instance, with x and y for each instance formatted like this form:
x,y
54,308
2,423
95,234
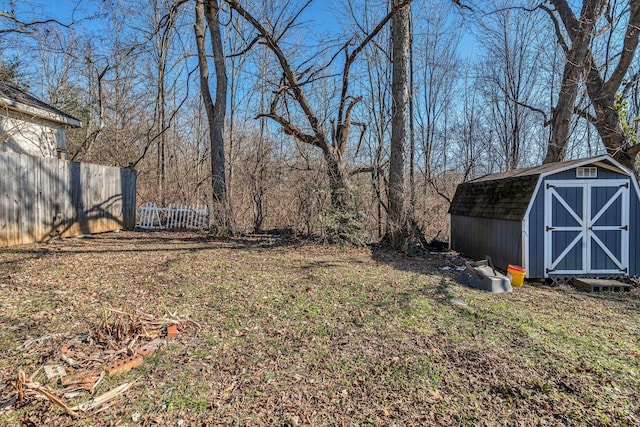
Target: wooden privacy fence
x,y
42,198
173,217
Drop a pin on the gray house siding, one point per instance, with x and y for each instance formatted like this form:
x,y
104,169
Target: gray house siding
x,y
29,126
477,237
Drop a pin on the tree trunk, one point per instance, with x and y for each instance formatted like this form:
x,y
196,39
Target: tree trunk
x,y
220,218
581,33
608,123
339,183
563,112
395,235
580,60
161,120
603,95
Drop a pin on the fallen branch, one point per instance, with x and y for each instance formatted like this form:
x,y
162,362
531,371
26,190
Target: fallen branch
x,y
103,398
46,393
24,386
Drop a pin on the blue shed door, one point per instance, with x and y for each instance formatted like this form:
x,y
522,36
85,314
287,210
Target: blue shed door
x,y
586,227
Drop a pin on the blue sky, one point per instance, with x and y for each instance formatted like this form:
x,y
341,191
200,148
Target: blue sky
x,y
320,11
62,10
320,14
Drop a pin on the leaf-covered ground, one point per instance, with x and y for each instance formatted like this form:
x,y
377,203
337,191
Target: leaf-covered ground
x,y
300,334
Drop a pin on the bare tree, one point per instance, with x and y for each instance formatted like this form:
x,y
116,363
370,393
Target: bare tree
x,y
508,75
333,142
603,89
209,10
163,17
397,217
581,32
602,80
436,98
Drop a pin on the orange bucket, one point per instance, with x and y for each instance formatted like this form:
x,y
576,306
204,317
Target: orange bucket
x,y
516,273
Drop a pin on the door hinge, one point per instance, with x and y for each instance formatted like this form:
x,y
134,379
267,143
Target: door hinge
x,y
625,228
550,228
625,185
624,270
550,186
550,270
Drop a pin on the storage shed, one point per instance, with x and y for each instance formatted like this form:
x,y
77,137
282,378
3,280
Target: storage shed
x,y
577,218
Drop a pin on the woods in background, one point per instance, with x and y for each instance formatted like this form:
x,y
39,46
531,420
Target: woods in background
x,y
347,120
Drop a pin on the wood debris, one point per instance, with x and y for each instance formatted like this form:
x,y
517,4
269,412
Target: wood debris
x,y
26,387
54,371
103,399
117,344
85,379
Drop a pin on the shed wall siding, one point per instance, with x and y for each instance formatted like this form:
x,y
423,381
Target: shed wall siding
x,y
602,174
536,236
478,237
536,267
634,231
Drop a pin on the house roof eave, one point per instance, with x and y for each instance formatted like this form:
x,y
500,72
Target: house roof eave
x,y
40,112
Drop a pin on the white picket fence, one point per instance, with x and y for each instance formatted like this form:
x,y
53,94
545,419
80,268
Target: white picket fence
x,y
173,217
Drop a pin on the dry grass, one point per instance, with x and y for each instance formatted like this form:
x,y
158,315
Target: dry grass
x,y
298,334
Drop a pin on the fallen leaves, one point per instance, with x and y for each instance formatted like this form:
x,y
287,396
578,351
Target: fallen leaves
x,y
300,335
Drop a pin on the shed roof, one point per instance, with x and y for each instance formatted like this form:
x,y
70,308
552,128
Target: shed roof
x,y
19,100
506,195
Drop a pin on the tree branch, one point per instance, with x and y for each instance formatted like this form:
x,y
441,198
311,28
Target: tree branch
x,y
320,139
571,23
342,129
246,49
630,84
633,150
556,26
438,191
11,16
584,114
365,169
351,57
629,47
547,121
291,129
293,20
